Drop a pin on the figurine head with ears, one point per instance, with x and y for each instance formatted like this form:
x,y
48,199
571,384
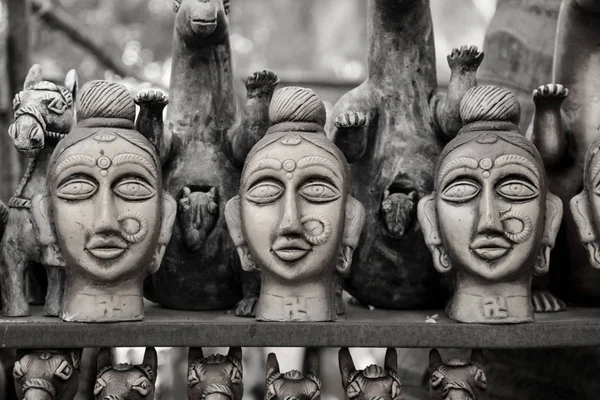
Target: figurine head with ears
x,y
457,379
215,377
373,382
203,22
586,205
490,215
293,385
294,217
105,215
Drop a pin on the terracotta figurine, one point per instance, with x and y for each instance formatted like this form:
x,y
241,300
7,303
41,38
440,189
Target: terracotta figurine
x,y
205,143
491,217
43,116
457,379
564,137
294,219
392,136
126,381
105,217
216,377
293,384
47,374
373,382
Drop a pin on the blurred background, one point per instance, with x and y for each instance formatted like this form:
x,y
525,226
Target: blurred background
x,y
314,43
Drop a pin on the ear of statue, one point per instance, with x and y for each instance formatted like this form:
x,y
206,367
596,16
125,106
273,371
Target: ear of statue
x,y
233,219
311,361
169,211
195,353
104,359
235,352
428,220
71,83
435,359
151,360
176,5
346,364
354,222
580,208
391,360
272,366
554,212
44,231
34,76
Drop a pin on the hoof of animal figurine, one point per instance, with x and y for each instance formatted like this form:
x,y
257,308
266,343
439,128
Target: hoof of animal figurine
x,y
398,211
246,307
351,120
151,97
546,302
261,83
198,212
552,94
352,137
467,58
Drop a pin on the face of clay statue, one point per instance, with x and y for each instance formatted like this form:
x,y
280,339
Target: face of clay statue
x,y
490,203
202,21
292,207
106,206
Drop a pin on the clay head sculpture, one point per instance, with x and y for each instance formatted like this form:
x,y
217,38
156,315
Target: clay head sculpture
x,y
105,216
456,379
293,385
47,374
125,381
490,217
294,218
373,382
216,377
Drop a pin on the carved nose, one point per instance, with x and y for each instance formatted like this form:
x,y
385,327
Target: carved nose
x,y
290,222
36,136
106,218
489,215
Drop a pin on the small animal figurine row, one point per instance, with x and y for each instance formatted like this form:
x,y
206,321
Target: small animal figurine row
x,y
457,379
215,377
294,219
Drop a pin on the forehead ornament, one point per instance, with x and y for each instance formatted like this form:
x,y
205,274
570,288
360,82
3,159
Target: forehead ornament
x,y
103,162
291,140
105,137
487,138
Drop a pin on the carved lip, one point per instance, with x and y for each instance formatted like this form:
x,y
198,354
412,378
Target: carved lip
x,y
491,248
200,21
106,248
291,249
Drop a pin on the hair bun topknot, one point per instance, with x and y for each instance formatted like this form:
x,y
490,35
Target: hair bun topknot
x,y
103,99
296,104
489,103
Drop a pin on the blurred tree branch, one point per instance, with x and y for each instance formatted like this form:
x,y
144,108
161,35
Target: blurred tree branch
x,y
58,19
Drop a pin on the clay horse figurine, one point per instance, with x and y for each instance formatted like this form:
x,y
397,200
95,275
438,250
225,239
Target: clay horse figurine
x,y
105,217
203,150
47,374
391,134
216,377
293,384
294,218
491,216
126,381
457,379
43,116
374,382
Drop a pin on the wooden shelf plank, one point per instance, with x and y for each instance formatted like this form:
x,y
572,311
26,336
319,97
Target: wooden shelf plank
x,y
360,327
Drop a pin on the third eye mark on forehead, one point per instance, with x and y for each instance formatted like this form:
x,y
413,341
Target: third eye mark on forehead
x,y
471,163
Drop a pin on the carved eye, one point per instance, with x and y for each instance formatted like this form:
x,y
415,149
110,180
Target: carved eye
x,y
396,389
142,386
460,191
353,390
236,376
57,106
319,192
192,378
436,379
265,192
480,379
176,5
517,190
134,189
98,386
77,189
227,6
64,371
16,102
17,370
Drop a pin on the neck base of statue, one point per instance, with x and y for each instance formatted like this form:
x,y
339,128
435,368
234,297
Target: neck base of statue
x,y
304,302
84,301
498,303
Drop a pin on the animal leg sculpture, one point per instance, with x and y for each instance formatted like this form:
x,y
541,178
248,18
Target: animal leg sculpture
x,y
56,280
255,117
198,212
13,264
3,217
463,63
150,119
